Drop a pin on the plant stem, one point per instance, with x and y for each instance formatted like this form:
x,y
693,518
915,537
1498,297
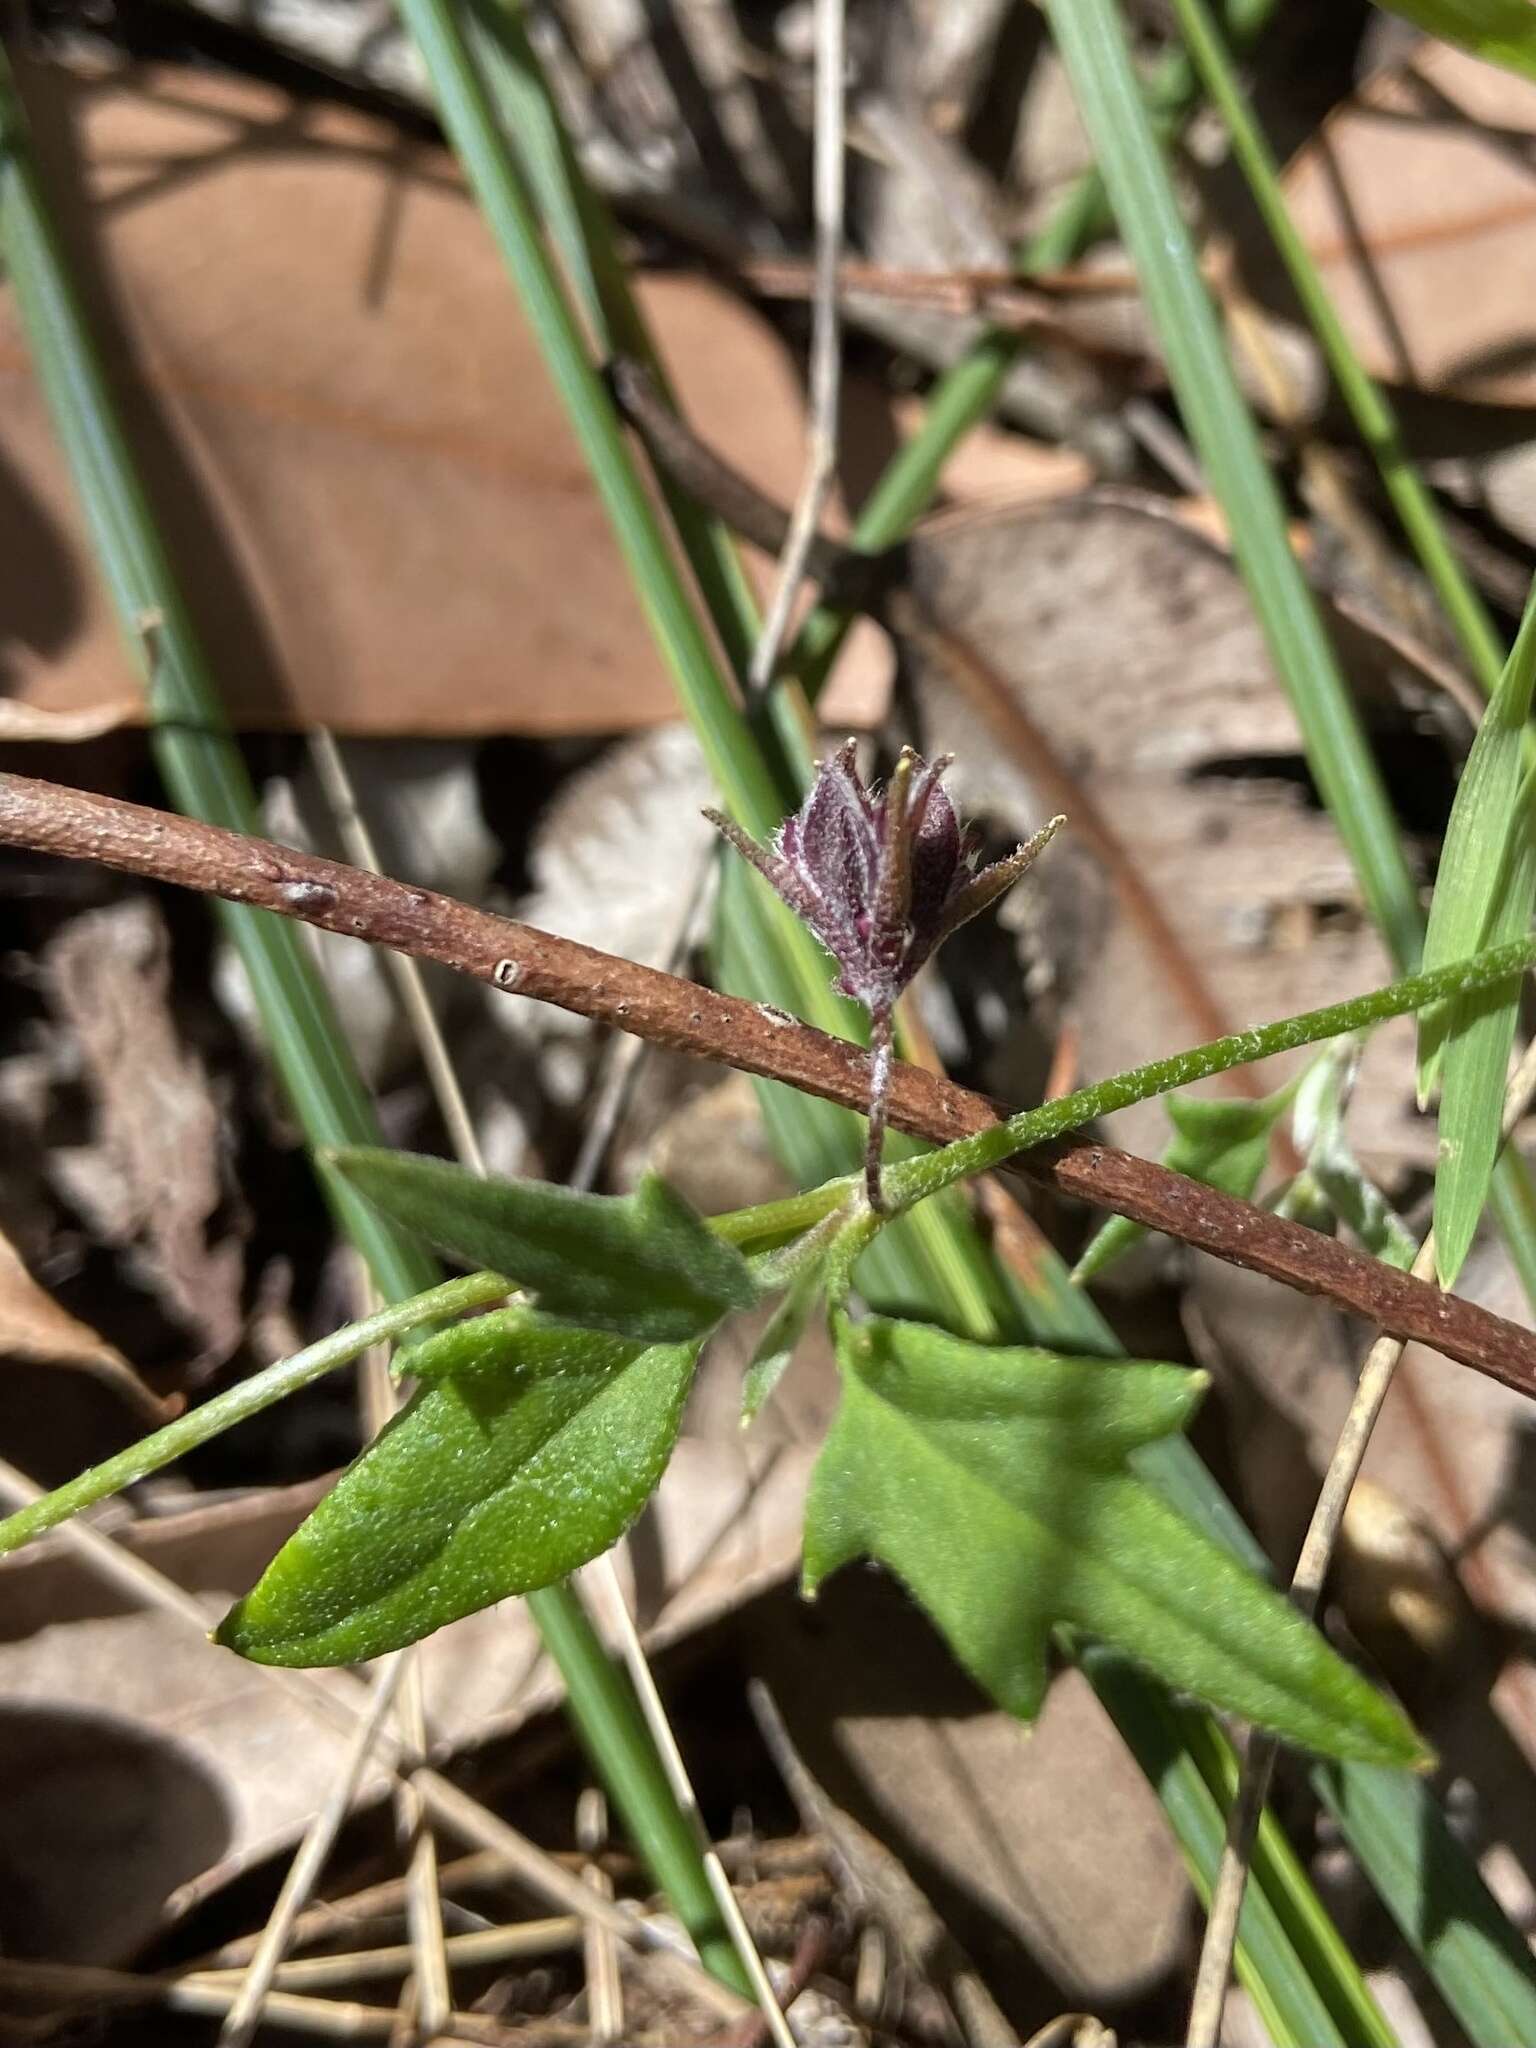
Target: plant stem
x,y
438,1304
768,1042
916,1179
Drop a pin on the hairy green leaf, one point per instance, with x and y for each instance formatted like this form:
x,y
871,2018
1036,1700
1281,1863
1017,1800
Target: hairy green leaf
x,y
1221,1141
1502,31
529,1459
995,1483
643,1265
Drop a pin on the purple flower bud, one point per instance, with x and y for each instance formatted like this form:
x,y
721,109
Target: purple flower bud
x,y
881,880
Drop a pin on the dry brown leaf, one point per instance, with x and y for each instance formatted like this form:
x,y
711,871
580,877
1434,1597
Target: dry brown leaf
x,y
152,1178
1417,198
363,469
30,722
33,1326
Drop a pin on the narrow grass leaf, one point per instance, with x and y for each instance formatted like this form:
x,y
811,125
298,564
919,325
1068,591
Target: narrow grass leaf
x,y
1478,836
644,1265
1476,1061
995,1484
1090,36
530,1459
1480,1963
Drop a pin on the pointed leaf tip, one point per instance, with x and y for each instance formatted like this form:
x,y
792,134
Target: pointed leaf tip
x,y
996,1484
644,1265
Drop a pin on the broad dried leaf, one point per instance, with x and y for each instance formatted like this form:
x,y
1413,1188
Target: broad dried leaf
x,y
33,1326
1415,199
530,1456
643,1265
325,425
997,1485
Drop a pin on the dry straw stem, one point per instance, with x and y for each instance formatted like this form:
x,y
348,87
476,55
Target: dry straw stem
x,y
48,818
826,343
1376,1375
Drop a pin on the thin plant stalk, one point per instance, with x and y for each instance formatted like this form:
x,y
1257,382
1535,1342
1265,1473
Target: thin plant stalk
x,y
206,777
826,364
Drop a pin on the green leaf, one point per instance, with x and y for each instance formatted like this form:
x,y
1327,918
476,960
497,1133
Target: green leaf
x,y
1502,31
1222,1142
1333,1172
1486,889
1478,838
995,1484
532,1458
1481,1031
643,1265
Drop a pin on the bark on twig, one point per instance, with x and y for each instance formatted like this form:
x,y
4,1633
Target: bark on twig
x,y
754,1037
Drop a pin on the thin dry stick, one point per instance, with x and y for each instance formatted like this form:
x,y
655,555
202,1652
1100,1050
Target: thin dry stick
x,y
410,988
248,2005
518,1940
336,1695
643,1679
426,1998
753,1037
1381,1363
194,1992
605,1988
826,348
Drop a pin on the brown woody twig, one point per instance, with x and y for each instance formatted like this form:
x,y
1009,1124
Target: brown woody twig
x,y
754,1037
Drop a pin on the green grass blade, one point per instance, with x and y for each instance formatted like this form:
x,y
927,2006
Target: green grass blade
x,y
1476,1067
1486,884
1291,2005
206,777
1502,31
1481,1964
1091,41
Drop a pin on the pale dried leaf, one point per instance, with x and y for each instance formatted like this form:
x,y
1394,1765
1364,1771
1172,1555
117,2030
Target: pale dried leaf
x,y
152,1178
1416,199
35,1327
32,722
363,469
